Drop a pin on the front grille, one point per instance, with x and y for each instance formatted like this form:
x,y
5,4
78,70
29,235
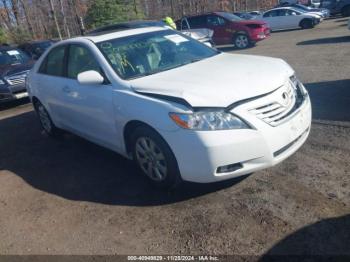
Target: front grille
x,y
16,81
285,101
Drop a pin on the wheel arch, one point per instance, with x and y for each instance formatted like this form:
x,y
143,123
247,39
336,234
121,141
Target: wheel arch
x,y
345,8
35,100
304,20
128,130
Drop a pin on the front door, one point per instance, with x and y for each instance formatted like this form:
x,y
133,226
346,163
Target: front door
x,y
89,109
222,34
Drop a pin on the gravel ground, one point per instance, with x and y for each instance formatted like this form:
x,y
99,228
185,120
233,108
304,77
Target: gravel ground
x,y
72,197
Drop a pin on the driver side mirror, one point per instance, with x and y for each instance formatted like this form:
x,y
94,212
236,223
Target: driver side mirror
x,y
90,78
294,13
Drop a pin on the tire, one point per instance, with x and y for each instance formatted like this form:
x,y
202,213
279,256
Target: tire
x,y
241,41
46,122
345,11
154,158
306,24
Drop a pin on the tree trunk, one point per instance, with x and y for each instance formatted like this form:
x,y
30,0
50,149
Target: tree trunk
x,y
52,11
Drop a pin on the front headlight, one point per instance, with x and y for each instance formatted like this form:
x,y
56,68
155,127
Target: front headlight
x,y
298,85
2,82
208,121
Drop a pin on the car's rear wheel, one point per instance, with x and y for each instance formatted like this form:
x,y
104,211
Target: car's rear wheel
x,y
154,157
46,121
241,41
306,24
346,11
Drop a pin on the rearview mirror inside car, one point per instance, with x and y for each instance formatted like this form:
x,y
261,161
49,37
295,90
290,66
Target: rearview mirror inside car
x,y
90,78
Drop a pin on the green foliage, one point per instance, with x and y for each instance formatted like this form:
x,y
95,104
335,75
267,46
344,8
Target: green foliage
x,y
104,12
3,36
19,35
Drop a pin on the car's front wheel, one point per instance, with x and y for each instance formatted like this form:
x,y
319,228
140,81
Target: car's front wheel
x,y
46,121
346,11
241,41
154,157
306,24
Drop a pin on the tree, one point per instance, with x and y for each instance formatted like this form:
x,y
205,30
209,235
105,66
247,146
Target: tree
x,y
103,12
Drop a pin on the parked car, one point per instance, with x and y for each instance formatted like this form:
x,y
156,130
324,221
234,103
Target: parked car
x,y
36,48
289,18
337,7
323,12
312,3
14,66
229,29
255,13
179,109
202,35
245,15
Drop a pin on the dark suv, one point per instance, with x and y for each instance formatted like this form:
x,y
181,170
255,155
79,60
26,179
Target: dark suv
x,y
228,28
37,48
14,66
337,6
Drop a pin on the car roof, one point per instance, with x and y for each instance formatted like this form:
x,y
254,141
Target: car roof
x,y
105,36
125,26
284,7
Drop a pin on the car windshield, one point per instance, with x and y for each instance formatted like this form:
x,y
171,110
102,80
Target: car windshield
x,y
244,16
150,53
13,57
230,16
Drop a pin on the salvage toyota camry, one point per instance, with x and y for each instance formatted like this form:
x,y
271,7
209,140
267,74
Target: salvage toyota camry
x,y
180,109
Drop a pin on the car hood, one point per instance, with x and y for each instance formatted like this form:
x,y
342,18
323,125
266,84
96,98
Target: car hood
x,y
218,81
9,70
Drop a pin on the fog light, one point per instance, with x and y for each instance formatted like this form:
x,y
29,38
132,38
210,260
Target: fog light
x,y
229,168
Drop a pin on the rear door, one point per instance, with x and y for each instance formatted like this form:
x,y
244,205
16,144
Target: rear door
x,y
49,82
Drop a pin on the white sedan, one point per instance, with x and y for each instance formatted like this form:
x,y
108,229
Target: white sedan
x,y
289,18
179,109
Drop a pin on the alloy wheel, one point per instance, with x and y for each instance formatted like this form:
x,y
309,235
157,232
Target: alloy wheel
x,y
151,159
44,118
241,41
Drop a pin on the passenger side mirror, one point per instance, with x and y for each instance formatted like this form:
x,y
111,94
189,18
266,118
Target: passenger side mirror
x,y
90,78
294,13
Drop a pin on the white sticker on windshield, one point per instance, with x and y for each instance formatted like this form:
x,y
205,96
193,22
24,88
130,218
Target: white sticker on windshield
x,y
177,39
13,52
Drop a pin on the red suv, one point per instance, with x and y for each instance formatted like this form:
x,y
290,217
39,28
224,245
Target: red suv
x,y
228,28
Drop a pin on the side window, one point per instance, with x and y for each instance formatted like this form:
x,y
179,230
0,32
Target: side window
x,y
283,12
55,62
80,60
184,24
197,21
215,20
271,14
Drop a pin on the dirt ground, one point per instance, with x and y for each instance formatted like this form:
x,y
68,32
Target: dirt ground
x,y
72,197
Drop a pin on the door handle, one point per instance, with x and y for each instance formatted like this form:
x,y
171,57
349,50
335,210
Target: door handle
x,y
66,89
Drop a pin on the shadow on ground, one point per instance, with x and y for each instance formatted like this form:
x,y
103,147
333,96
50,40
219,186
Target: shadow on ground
x,y
12,104
327,240
76,169
330,100
329,40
